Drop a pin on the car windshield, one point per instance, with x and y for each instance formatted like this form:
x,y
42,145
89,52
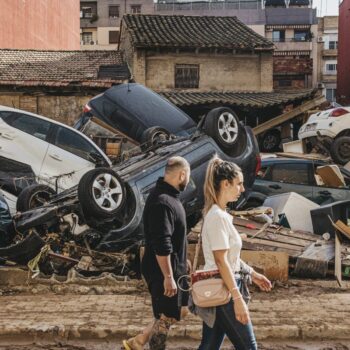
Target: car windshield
x,y
132,109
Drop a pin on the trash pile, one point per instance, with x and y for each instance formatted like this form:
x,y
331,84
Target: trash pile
x,y
292,236
57,252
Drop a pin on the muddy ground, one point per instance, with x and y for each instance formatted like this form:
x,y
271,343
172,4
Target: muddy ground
x,y
173,345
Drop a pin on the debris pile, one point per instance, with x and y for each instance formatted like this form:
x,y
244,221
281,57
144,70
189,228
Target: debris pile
x,y
278,251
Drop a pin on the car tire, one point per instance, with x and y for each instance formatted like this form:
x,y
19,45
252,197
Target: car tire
x,y
34,196
270,141
223,126
101,193
152,136
340,150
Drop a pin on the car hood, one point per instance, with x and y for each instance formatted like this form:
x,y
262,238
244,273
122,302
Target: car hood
x,y
133,108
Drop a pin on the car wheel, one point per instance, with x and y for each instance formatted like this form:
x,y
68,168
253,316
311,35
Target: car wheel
x,y
340,150
152,136
101,193
223,126
34,196
270,141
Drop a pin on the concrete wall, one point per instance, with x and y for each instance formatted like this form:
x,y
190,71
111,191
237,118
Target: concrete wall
x,y
39,24
65,109
217,72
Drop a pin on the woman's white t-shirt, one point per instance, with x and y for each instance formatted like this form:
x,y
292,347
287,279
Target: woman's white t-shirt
x,y
218,233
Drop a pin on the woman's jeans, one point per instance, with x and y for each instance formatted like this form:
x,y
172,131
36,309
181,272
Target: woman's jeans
x,y
241,336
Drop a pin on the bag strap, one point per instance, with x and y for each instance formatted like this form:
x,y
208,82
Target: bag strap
x,y
198,247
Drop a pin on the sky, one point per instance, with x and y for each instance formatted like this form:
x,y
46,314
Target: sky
x,y
326,7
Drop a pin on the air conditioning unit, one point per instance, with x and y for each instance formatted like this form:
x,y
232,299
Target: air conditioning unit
x,y
320,85
320,39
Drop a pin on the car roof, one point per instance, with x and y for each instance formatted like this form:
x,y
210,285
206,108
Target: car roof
x,y
9,109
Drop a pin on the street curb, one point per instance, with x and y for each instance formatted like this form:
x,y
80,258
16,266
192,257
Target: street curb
x,y
90,332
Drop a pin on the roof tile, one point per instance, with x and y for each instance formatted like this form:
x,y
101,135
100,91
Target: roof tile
x,y
193,31
242,99
60,68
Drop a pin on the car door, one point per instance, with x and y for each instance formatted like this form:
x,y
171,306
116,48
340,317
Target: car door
x,y
23,138
287,177
68,158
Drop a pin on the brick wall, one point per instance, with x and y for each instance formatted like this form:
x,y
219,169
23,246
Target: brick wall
x,y
65,109
217,72
292,65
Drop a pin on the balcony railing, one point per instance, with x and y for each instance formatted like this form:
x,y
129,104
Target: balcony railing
x,y
208,6
330,72
290,40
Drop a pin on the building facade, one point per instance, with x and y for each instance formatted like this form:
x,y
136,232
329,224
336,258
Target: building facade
x,y
199,53
343,71
290,24
100,21
39,24
327,39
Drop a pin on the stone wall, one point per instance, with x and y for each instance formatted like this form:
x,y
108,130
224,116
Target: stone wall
x,y
250,72
65,109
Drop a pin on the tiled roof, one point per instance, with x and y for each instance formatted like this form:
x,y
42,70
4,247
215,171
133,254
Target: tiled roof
x,y
61,68
193,31
241,99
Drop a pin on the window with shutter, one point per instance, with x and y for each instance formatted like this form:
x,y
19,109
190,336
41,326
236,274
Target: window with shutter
x,y
113,36
114,11
187,76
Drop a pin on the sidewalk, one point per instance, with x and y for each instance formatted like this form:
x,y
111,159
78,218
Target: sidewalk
x,y
315,315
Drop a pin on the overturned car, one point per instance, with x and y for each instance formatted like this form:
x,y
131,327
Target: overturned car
x,y
106,206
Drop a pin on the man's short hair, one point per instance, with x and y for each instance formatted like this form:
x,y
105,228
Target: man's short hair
x,y
176,163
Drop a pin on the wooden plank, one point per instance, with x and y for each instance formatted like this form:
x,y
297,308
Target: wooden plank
x,y
309,156
307,236
342,228
289,115
274,265
257,247
273,244
273,237
337,262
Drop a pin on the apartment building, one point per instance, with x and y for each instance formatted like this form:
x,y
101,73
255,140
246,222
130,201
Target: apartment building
x,y
100,21
327,39
290,24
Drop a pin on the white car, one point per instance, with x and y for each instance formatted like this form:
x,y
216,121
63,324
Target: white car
x,y
330,129
35,149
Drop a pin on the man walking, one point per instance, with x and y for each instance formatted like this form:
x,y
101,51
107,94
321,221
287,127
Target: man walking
x,y
164,260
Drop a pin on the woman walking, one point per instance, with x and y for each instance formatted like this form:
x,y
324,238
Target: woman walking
x,y
221,245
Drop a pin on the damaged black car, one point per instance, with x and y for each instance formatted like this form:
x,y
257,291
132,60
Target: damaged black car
x,y
105,208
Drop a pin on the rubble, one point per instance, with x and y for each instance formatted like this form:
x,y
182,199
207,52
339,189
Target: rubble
x,y
284,206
